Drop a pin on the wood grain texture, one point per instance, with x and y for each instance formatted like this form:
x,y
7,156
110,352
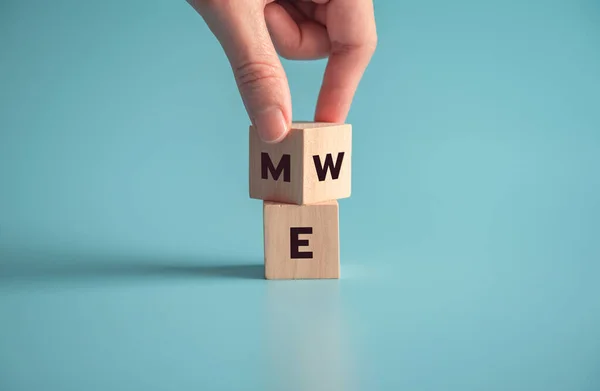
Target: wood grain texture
x,y
282,247
305,141
320,141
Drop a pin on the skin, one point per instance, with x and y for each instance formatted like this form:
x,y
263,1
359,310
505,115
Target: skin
x,y
253,33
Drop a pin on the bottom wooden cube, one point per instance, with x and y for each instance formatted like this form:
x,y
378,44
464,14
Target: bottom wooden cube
x,y
301,241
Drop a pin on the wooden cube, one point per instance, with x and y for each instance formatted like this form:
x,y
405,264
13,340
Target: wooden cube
x,y
312,164
301,241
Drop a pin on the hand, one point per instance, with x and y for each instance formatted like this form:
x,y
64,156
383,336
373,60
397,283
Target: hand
x,y
252,32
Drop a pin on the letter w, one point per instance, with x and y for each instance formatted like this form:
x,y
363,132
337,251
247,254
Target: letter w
x,y
267,166
335,169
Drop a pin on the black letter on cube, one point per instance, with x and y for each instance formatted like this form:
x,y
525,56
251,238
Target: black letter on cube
x,y
284,165
335,169
295,242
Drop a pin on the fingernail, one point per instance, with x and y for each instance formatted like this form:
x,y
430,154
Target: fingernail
x,y
271,125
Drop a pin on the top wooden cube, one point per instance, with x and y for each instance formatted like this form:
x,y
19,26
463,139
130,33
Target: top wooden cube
x,y
312,164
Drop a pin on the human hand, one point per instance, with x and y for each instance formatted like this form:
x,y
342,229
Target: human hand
x,y
252,32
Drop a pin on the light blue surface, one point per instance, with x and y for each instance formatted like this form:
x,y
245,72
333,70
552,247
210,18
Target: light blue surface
x,y
130,252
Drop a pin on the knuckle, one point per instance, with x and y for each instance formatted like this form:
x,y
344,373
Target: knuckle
x,y
342,48
367,47
372,43
253,74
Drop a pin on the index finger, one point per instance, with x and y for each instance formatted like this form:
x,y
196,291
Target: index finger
x,y
352,32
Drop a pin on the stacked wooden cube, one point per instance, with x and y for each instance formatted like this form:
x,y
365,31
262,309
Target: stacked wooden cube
x,y
300,180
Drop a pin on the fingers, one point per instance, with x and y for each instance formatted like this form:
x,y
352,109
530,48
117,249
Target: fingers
x,y
353,36
258,72
295,36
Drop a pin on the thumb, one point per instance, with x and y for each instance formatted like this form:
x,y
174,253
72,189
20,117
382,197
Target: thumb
x,y
261,80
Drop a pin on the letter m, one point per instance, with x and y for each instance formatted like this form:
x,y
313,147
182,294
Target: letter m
x,y
322,169
266,166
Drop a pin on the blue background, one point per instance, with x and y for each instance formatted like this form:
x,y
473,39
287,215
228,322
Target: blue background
x,y
131,254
